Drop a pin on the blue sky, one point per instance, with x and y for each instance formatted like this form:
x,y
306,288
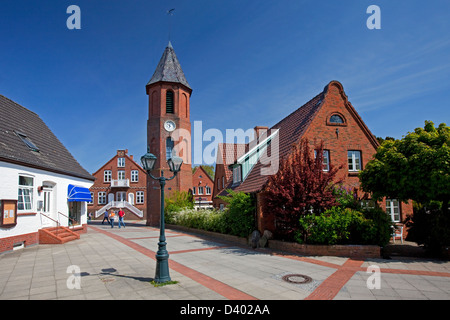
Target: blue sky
x,y
249,63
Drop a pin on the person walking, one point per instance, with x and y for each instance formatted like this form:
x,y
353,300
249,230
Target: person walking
x,y
121,215
111,218
106,217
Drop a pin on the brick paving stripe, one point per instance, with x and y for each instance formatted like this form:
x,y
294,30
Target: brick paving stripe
x,y
211,283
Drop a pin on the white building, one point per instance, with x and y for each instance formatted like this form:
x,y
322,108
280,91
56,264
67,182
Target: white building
x,y
41,185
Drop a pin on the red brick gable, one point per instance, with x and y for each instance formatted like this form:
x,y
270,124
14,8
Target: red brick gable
x,y
200,178
113,163
107,188
339,138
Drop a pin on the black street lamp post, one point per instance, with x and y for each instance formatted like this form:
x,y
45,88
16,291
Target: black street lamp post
x,y
162,256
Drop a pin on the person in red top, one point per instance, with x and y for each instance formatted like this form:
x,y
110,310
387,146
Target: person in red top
x,y
121,214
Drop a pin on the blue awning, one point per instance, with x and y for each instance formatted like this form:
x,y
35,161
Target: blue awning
x,y
77,193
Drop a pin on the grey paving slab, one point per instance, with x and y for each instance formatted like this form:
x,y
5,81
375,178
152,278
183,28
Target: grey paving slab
x,y
112,269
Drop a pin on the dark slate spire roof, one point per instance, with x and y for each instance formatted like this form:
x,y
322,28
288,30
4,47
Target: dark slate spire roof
x,y
169,69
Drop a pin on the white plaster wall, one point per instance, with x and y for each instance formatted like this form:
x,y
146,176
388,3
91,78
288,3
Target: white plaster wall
x,y
9,183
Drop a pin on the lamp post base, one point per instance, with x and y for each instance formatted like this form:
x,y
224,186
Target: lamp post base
x,y
162,268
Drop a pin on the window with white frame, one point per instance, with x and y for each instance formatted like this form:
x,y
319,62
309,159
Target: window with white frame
x,y
354,160
208,190
368,204
134,176
92,198
200,190
121,175
121,162
25,199
194,190
107,176
102,198
139,196
393,209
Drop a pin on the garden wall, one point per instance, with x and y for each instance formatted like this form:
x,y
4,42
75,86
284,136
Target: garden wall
x,y
353,251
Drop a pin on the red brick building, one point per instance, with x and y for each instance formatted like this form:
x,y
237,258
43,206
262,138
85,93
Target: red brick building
x,y
119,183
168,129
202,188
329,117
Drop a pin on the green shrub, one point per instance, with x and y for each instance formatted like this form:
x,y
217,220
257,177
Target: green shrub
x,y
204,219
240,213
377,228
345,226
430,227
177,201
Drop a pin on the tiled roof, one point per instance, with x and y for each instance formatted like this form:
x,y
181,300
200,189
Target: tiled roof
x,y
169,69
290,132
228,153
52,155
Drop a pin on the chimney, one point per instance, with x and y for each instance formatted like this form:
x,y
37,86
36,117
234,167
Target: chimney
x,y
260,130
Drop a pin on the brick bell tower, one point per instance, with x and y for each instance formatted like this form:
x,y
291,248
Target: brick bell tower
x,y
168,130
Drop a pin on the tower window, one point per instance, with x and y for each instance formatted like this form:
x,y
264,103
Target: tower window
x,y
169,102
169,148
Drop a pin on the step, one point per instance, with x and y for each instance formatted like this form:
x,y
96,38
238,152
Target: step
x,y
69,238
57,235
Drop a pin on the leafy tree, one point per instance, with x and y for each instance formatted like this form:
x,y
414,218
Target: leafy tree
x,y
416,167
299,187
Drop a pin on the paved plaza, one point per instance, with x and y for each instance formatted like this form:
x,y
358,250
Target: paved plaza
x,y
119,264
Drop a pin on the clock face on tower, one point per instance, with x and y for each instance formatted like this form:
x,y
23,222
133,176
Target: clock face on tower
x,y
169,125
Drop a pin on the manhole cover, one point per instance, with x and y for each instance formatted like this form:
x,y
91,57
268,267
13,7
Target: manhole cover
x,y
297,278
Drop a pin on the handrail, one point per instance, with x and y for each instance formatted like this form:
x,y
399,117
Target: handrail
x,y
57,222
119,204
73,220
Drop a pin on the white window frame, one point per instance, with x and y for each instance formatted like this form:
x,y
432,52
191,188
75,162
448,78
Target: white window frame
x,y
193,190
134,176
356,164
107,175
101,197
391,206
140,197
25,198
121,162
121,175
200,190
208,190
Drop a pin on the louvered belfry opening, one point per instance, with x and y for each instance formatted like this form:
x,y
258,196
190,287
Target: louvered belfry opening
x,y
169,102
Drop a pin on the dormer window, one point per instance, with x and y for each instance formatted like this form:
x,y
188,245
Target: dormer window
x,y
237,174
27,141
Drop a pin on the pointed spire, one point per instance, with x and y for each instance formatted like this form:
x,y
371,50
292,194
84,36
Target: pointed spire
x,y
169,68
